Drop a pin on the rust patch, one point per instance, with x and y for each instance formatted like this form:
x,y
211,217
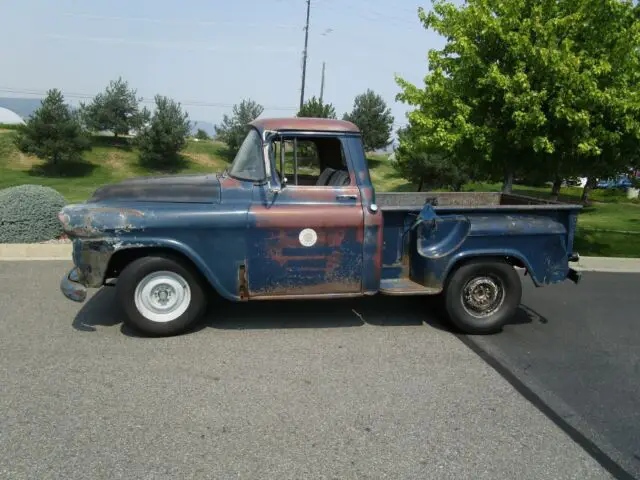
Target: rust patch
x,y
301,123
123,212
327,288
230,183
431,280
372,220
300,216
243,289
321,194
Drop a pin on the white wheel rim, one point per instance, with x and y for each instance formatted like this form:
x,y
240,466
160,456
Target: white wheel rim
x,y
162,296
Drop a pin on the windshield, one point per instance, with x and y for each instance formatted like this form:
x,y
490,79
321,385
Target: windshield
x,y
249,163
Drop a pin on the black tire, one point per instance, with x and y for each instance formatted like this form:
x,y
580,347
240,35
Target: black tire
x,y
479,314
138,270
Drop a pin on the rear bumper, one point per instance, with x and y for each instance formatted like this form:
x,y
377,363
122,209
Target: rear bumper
x,y
574,276
71,286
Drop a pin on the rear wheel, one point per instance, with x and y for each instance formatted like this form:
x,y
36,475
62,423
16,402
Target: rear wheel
x,y
160,295
482,295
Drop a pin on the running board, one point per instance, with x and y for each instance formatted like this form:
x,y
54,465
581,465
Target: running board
x,y
404,286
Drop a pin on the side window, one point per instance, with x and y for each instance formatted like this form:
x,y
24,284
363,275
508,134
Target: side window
x,y
308,158
312,161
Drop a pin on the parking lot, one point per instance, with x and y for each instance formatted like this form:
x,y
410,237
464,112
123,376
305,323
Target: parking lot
x,y
367,388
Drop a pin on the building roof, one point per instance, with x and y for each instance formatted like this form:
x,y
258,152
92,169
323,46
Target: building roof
x,y
9,117
306,124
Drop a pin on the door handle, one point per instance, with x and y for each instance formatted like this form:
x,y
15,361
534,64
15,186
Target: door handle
x,y
346,197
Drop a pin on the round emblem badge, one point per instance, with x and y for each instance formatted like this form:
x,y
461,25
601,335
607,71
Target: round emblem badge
x,y
308,237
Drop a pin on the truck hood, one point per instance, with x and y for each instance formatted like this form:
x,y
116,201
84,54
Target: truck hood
x,y
172,188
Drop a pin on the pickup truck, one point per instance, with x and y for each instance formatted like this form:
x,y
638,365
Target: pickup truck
x,y
295,216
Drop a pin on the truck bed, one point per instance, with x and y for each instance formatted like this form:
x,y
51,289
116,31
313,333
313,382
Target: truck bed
x,y
412,201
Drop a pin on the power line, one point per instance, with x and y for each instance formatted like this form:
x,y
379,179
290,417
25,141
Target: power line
x,y
165,21
166,44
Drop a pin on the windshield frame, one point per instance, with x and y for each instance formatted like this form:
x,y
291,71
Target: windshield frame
x,y
255,132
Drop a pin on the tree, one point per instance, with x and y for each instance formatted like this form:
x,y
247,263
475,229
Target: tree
x,y
373,118
116,109
316,109
202,135
523,85
53,132
233,129
162,139
426,169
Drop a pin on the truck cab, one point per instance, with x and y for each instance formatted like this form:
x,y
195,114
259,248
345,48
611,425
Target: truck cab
x,y
295,216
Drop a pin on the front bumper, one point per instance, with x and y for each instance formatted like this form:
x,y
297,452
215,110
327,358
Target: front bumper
x,y
71,286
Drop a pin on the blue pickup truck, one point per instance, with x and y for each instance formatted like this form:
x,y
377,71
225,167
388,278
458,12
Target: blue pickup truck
x,y
295,216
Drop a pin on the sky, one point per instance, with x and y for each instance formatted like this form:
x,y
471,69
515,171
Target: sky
x,y
215,52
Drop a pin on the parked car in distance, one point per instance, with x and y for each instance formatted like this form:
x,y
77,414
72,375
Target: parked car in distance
x,y
296,216
621,182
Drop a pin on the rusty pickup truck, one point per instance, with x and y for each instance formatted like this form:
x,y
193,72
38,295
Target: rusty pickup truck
x,y
295,216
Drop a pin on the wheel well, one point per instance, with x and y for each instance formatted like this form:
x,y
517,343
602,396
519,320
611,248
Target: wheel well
x,y
513,261
121,258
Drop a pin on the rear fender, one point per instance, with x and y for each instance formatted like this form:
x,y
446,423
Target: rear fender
x,y
538,277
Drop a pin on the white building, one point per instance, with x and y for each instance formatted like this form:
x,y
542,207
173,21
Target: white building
x,y
8,117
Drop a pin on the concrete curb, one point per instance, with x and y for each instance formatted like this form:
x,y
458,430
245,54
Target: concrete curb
x,y
608,264
35,251
62,252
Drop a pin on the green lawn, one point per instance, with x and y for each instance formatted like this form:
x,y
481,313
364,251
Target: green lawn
x,y
111,160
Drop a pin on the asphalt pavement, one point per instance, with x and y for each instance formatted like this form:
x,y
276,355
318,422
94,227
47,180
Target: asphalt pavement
x,y
341,389
576,352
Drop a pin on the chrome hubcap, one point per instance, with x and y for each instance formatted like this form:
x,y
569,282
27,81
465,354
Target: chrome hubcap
x,y
482,296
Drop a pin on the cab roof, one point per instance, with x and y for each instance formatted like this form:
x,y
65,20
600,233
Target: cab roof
x,y
304,124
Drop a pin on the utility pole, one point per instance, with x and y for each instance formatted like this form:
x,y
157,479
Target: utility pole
x,y
304,54
322,83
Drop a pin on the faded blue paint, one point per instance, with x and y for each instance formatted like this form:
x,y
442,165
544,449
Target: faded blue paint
x,y
246,227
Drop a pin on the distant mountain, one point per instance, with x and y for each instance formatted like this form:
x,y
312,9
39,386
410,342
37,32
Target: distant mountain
x,y
22,106
206,126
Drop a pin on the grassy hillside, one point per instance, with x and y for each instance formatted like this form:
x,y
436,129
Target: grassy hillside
x,y
601,227
110,160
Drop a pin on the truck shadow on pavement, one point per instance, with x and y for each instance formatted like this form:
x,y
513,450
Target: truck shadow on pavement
x,y
102,309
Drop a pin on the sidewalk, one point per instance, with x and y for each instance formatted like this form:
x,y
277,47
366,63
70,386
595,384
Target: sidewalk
x,y
608,264
62,251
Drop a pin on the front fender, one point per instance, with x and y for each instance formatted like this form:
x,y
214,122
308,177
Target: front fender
x,y
183,249
93,257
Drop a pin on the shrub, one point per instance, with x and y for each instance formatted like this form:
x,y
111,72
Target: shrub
x,y
29,214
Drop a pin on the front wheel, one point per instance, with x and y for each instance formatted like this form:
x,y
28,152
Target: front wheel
x,y
482,295
160,295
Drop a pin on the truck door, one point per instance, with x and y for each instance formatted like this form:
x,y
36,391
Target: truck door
x,y
306,239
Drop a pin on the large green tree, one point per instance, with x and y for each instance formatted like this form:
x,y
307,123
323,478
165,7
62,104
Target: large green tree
x,y
234,128
53,133
117,110
372,116
166,134
317,109
531,85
